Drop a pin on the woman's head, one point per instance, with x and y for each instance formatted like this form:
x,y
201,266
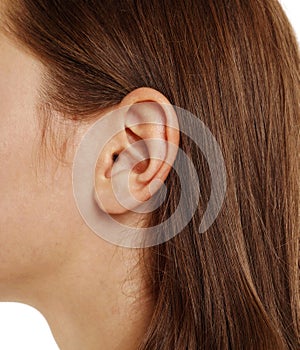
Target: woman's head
x,y
233,64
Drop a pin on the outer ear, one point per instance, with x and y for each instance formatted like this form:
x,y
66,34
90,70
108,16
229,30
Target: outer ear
x,y
135,163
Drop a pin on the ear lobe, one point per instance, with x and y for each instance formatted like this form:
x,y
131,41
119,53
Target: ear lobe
x,y
144,158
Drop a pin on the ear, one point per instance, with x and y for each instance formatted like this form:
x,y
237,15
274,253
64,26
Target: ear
x,y
134,164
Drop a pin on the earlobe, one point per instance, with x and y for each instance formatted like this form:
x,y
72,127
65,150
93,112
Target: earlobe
x,y
140,157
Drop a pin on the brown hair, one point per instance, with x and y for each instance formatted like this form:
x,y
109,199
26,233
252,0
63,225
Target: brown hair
x,y
234,64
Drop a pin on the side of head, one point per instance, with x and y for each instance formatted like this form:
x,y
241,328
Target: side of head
x,y
236,67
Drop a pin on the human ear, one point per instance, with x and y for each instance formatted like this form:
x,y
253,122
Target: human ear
x,y
136,161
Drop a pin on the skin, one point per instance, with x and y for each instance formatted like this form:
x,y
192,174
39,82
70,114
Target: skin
x,y
91,292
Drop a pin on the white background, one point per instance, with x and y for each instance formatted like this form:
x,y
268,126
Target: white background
x,y
24,328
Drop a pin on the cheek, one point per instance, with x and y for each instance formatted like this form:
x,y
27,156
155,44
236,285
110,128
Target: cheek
x,y
36,207
19,208
17,127
16,135
38,216
34,203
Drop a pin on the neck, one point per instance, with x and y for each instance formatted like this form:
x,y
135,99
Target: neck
x,y
94,301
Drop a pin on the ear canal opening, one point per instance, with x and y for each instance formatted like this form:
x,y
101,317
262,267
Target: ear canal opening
x,y
115,157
